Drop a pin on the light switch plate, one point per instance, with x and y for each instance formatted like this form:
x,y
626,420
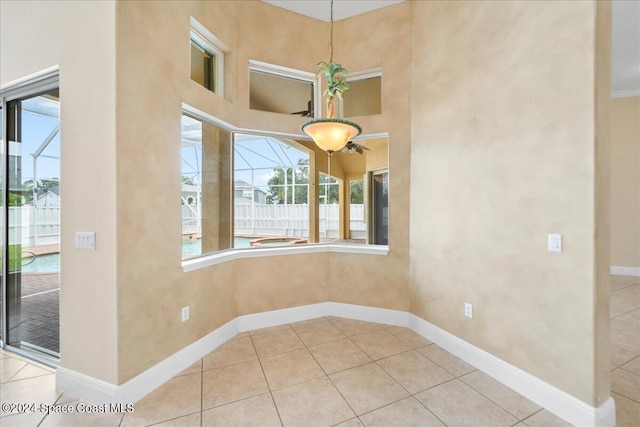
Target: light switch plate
x,y
85,240
468,310
555,242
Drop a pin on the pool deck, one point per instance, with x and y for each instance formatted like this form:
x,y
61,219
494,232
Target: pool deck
x,y
40,320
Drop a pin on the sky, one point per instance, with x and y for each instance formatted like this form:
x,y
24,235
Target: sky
x,y
40,116
262,154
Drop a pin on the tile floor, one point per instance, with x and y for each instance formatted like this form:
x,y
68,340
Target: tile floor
x,y
335,371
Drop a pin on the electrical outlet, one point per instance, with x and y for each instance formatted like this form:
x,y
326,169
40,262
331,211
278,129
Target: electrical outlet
x,y
468,310
555,242
185,313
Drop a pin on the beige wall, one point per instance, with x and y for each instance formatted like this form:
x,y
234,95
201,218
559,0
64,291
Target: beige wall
x,y
503,154
35,36
151,85
492,105
625,182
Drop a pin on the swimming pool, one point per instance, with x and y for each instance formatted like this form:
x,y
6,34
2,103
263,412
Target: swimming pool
x,y
42,264
51,263
195,247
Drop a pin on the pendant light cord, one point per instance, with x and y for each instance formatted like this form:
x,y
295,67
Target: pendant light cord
x,y
331,39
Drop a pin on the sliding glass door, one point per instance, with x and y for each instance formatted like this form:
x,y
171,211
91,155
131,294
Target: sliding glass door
x,y
31,220
380,207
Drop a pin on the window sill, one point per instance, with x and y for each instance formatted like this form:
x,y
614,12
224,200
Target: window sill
x,y
232,254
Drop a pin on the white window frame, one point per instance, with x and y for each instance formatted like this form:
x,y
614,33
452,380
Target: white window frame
x,y
361,75
291,73
213,46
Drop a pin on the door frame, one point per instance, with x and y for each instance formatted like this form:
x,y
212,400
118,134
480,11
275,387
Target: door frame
x,y
30,86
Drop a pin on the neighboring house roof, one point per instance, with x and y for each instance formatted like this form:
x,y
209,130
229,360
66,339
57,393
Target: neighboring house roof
x,y
55,190
243,185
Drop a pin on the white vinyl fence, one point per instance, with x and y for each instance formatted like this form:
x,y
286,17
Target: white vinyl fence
x,y
34,226
282,220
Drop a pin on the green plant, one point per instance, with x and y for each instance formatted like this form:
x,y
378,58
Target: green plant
x,y
336,76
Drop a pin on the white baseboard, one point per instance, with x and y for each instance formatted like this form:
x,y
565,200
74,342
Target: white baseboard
x,y
625,271
96,391
544,394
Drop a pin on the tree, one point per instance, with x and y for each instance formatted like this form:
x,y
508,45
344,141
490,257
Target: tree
x,y
332,188
39,189
277,186
356,191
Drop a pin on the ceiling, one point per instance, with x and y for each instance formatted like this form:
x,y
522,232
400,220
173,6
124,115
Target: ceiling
x,y
625,51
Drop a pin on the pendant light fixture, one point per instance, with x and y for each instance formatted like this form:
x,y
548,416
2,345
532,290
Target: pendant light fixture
x,y
331,134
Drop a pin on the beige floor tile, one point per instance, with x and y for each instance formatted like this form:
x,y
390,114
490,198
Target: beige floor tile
x,y
625,300
82,419
351,327
268,329
193,369
457,404
290,368
446,360
276,342
30,419
634,365
545,418
368,387
31,371
619,281
309,321
620,355
192,420
339,355
318,332
627,411
66,398
31,390
234,351
624,337
379,344
353,422
177,397
414,371
312,403
241,335
9,366
254,411
407,412
231,383
515,403
626,383
407,336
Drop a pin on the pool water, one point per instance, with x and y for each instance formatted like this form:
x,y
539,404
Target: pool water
x,y
42,264
51,263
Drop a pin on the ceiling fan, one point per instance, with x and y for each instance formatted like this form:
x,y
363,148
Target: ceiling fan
x,y
305,113
352,146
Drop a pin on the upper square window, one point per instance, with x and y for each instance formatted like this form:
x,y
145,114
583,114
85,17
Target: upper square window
x,y
364,96
282,90
207,59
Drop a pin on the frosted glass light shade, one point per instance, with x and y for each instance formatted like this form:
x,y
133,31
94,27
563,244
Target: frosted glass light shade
x,y
331,134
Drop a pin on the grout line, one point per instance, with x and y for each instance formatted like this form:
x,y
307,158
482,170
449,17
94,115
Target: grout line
x,y
265,379
626,312
201,390
167,420
493,401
